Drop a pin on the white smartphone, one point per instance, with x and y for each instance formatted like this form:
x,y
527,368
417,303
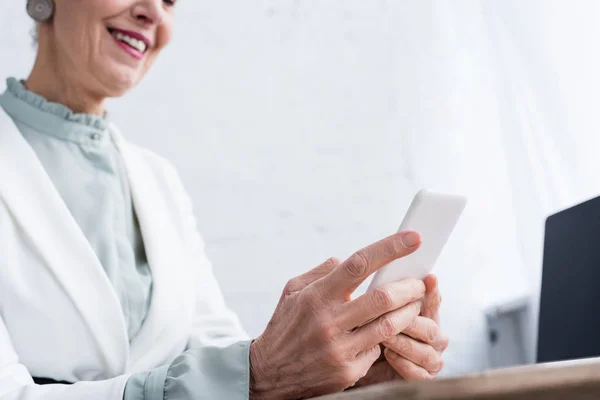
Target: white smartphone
x,y
434,216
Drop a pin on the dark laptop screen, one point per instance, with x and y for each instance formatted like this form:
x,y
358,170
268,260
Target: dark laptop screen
x,y
569,322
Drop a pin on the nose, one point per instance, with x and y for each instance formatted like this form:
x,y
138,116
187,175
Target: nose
x,y
148,12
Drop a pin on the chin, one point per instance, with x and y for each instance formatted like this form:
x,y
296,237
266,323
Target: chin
x,y
118,83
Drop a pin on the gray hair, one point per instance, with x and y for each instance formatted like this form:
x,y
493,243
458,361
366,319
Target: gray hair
x,y
33,32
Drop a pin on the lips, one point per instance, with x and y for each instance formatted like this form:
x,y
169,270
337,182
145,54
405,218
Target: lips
x,y
133,43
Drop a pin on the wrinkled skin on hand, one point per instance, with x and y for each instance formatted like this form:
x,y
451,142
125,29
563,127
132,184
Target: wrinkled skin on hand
x,y
415,353
321,341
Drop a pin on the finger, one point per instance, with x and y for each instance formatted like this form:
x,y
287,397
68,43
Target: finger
x,y
427,331
406,368
365,359
386,326
300,282
433,299
344,280
381,371
419,353
380,301
361,365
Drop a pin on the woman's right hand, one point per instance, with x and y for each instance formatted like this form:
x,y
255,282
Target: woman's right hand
x,y
320,341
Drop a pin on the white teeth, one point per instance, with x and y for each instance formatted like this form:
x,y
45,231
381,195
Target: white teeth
x,y
135,43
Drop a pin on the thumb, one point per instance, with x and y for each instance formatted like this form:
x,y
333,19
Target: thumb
x,y
432,299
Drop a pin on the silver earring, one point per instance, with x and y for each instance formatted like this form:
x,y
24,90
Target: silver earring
x,y
40,10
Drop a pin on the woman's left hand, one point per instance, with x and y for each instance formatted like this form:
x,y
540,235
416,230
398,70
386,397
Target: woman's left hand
x,y
416,353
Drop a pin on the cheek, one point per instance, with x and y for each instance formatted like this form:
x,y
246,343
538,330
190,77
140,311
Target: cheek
x,y
75,43
164,34
78,37
163,38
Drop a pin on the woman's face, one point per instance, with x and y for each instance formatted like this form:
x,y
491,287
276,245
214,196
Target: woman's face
x,y
108,45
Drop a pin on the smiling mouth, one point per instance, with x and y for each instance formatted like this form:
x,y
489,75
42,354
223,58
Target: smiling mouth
x,y
138,45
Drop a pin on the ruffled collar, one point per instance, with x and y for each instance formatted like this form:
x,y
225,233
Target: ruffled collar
x,y
19,91
52,118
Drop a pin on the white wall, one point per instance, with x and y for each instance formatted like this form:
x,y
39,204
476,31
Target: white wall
x,y
302,129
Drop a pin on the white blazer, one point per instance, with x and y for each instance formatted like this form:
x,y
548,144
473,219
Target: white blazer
x,y
59,315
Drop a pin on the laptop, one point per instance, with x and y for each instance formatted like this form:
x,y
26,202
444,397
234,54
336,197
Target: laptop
x,y
569,319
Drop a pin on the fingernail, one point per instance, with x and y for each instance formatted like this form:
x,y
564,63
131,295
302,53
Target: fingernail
x,y
422,287
411,239
434,280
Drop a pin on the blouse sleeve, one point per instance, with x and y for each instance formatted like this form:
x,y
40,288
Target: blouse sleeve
x,y
199,373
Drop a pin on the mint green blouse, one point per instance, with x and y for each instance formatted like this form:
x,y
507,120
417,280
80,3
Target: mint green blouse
x,y
81,159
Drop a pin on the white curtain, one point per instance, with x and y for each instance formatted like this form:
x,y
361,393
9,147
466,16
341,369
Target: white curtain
x,y
500,103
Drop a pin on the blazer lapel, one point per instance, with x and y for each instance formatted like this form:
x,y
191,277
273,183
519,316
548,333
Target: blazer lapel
x,y
42,214
171,304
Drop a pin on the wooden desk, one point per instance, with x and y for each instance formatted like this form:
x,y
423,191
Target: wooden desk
x,y
579,380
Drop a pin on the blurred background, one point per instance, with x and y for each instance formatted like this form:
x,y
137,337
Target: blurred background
x,y
302,130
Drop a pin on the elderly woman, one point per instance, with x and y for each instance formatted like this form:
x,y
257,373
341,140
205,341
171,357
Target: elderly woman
x,y
105,291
